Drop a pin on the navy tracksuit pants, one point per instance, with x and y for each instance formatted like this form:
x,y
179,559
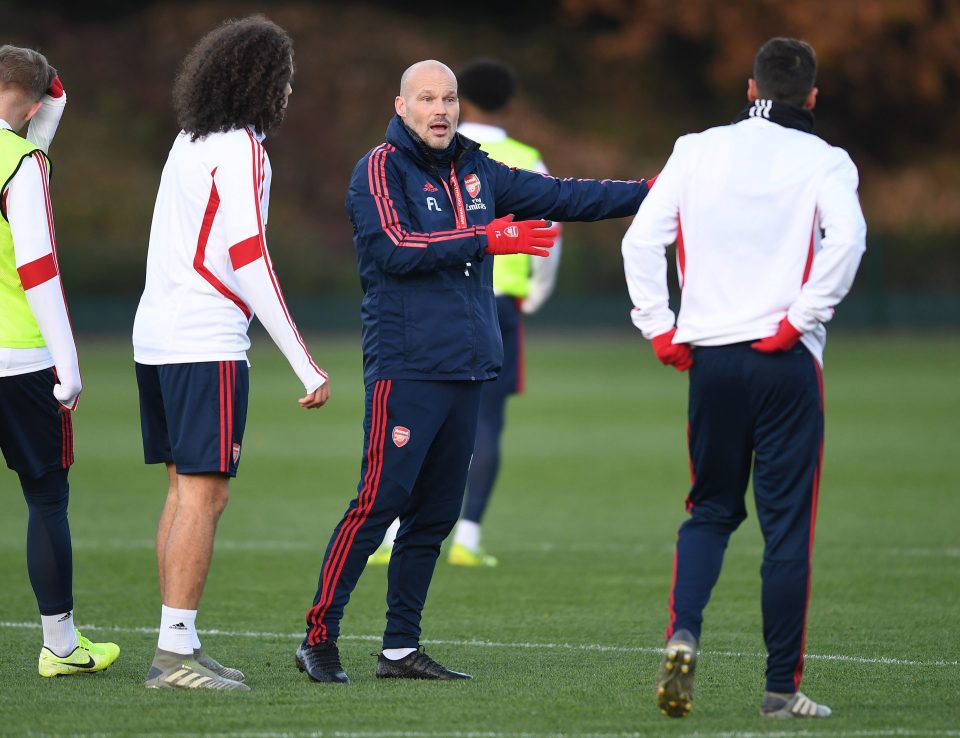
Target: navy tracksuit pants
x,y
764,410
493,407
418,439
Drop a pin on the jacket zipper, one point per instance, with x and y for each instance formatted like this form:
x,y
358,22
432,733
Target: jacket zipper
x,y
456,199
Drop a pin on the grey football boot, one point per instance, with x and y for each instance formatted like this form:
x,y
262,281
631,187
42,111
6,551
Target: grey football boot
x,y
796,705
205,659
181,671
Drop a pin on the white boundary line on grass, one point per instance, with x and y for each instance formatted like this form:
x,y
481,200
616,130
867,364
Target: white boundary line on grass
x,y
877,733
138,544
480,643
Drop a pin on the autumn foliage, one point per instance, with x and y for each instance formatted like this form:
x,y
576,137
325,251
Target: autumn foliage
x,y
607,86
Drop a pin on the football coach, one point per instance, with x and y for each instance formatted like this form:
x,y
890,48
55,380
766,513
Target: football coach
x,y
430,210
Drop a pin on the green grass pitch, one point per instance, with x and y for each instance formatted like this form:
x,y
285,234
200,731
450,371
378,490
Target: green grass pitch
x,y
563,637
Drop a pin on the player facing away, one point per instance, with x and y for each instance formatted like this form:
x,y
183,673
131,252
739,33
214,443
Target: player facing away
x,y
39,370
769,236
429,210
208,273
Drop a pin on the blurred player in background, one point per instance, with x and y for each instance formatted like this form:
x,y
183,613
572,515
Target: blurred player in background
x,y
208,272
39,370
769,236
521,285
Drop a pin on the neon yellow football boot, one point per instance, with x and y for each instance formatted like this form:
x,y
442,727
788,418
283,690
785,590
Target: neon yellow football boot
x,y
381,557
460,555
86,658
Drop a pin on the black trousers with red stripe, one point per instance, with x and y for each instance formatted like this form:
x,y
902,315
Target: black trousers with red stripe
x,y
764,410
418,439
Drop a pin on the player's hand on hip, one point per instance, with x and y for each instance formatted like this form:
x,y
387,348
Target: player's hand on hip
x,y
677,355
317,398
507,236
784,339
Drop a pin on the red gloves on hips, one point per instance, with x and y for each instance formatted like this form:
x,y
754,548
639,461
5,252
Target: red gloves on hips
x,y
56,87
677,355
506,236
784,339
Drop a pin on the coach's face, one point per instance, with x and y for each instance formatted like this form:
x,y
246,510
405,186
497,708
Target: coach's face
x,y
429,105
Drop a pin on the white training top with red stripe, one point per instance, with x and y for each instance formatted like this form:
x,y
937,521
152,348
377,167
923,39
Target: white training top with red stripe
x,y
746,204
208,268
26,201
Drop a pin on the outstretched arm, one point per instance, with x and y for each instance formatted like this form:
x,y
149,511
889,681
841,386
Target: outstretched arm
x,y
534,195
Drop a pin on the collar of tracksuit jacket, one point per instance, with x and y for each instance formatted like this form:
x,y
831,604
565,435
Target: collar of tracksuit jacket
x,y
413,146
788,116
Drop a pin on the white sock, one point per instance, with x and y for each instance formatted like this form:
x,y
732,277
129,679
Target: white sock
x,y
391,535
395,654
178,630
59,634
468,534
196,639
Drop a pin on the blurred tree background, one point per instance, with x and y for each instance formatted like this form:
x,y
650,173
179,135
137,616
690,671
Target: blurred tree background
x,y
606,87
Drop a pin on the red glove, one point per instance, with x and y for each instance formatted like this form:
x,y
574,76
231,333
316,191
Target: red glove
x,y
673,354
504,236
784,339
56,87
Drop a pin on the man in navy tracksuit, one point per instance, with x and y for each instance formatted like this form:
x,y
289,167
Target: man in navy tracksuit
x,y
428,211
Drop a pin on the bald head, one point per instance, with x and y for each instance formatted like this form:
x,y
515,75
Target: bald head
x,y
412,74
428,102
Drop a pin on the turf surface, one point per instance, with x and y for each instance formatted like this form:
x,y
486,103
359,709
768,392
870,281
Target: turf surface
x,y
563,637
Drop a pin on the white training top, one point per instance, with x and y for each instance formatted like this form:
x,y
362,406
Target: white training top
x,y
26,200
208,268
746,204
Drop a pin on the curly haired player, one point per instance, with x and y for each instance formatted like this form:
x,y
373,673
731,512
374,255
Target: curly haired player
x,y
208,273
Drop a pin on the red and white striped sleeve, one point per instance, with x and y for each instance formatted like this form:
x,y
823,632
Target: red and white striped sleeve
x,y
30,214
243,182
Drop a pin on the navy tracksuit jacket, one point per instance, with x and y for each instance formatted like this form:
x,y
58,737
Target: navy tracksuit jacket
x,y
430,337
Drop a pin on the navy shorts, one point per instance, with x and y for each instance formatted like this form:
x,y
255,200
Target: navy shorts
x,y
36,431
193,415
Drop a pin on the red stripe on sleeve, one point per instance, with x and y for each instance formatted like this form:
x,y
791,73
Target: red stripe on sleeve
x,y
258,179
37,271
245,252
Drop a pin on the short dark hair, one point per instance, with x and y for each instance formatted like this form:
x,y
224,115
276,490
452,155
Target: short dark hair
x,y
785,70
25,69
487,83
234,76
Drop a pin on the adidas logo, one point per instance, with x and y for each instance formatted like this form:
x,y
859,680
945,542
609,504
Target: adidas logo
x,y
430,188
66,617
178,626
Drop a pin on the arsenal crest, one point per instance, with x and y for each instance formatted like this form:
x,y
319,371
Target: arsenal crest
x,y
236,453
400,436
472,183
